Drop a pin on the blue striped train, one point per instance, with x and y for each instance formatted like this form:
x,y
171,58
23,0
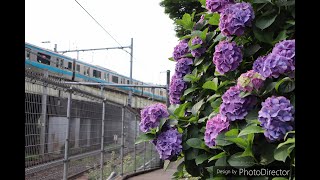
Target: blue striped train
x,y
76,70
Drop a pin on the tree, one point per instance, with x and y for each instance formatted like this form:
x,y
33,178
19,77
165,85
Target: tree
x,y
177,8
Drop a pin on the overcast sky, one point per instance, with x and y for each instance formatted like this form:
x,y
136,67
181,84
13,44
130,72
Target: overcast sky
x,y
65,23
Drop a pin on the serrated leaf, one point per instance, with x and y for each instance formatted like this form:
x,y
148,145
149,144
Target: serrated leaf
x,y
250,130
232,133
244,94
194,142
281,36
221,140
189,90
281,153
263,36
197,106
288,141
242,143
281,81
270,87
201,158
236,161
203,35
181,110
203,2
210,85
261,1
214,20
162,121
171,59
251,50
218,156
198,61
265,21
213,97
145,137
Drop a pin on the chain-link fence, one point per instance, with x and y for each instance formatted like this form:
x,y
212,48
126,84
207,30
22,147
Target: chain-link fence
x,y
70,131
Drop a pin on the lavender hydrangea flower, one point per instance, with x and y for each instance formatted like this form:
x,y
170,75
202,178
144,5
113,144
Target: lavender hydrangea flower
x,y
286,48
214,126
227,56
235,107
168,144
177,86
250,80
273,65
199,51
276,116
235,17
151,115
180,50
183,67
217,5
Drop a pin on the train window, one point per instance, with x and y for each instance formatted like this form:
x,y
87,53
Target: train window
x,y
161,93
57,62
96,74
115,79
88,71
69,65
43,58
128,82
78,67
61,63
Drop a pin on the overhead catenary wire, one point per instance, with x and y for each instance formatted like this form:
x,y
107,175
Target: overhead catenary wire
x,y
103,28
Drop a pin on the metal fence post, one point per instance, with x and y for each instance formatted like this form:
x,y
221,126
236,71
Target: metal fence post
x,y
135,138
43,118
66,145
102,139
144,156
122,139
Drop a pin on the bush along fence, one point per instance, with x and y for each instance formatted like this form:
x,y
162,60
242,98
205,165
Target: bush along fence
x,y
232,94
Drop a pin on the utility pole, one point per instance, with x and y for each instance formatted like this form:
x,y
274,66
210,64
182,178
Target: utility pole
x,y
131,57
55,48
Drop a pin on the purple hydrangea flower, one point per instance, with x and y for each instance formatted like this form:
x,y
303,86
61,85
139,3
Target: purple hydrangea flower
x,y
227,56
180,50
235,17
276,116
273,65
250,80
151,115
217,5
214,127
177,87
235,107
286,48
199,51
183,67
168,144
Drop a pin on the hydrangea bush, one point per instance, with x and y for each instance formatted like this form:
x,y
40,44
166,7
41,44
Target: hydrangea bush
x,y
232,94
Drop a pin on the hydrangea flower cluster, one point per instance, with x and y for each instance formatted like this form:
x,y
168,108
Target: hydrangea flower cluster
x,y
276,116
280,61
177,86
235,17
151,115
180,50
235,107
286,48
183,67
250,80
199,51
227,56
214,126
217,5
168,143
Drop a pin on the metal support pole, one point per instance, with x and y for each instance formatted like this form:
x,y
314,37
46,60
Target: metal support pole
x,y
131,56
168,84
43,118
144,156
102,135
66,144
122,139
135,138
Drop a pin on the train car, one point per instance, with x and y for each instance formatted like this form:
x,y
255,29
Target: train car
x,y
76,70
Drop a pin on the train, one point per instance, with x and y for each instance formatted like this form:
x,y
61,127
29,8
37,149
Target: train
x,y
75,70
